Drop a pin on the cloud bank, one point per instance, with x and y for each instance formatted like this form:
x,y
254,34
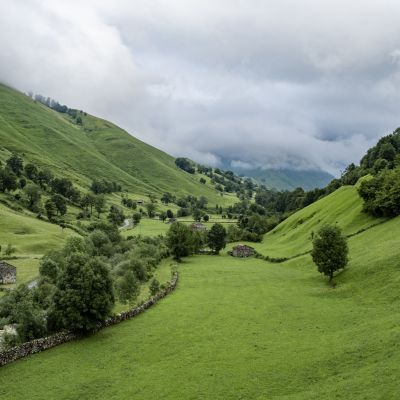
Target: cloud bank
x,y
288,84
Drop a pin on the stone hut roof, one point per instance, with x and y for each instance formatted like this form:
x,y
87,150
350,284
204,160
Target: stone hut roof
x,y
242,250
197,226
8,272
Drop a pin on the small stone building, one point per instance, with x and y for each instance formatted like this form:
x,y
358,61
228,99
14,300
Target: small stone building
x,y
8,273
197,226
242,250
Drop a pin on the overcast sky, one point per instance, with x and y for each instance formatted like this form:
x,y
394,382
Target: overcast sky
x,y
304,84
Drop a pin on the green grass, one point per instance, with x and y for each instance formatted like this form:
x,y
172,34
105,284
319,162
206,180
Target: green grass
x,y
98,149
162,273
293,236
155,227
245,329
30,236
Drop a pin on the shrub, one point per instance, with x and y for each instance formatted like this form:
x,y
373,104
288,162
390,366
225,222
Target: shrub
x,y
154,287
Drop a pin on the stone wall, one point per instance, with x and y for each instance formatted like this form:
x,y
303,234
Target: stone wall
x,y
38,345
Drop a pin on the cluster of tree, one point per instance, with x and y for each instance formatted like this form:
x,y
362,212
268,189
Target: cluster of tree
x,y
78,286
185,165
102,186
183,241
56,106
381,193
129,203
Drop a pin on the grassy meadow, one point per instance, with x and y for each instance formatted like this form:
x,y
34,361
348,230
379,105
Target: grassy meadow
x,y
245,329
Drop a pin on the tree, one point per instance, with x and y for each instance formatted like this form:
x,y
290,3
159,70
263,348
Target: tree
x,y
15,164
84,296
179,240
163,216
151,208
128,287
170,214
99,204
206,218
154,287
116,216
60,203
203,181
185,164
217,238
136,217
33,195
8,181
51,209
330,250
31,171
197,214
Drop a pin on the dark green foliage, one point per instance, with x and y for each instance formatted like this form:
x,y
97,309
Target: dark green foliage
x,y
31,171
381,194
116,216
49,269
60,203
136,217
206,218
100,186
110,229
139,270
180,240
330,250
8,181
51,209
33,195
185,164
170,214
154,287
203,181
151,210
127,287
84,296
15,164
167,198
31,321
217,238
99,204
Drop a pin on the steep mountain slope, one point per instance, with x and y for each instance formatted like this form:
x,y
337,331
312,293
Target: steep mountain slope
x,y
262,330
97,149
293,236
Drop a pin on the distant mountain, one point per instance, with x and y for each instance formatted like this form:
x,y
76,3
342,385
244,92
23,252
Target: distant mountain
x,y
288,179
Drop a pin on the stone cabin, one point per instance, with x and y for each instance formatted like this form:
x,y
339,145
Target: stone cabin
x,y
242,250
8,273
197,226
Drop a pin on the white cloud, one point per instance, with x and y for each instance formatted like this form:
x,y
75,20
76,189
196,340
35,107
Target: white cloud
x,y
274,84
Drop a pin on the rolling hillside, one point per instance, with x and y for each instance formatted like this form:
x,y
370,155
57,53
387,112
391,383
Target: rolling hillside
x,y
293,236
247,328
96,149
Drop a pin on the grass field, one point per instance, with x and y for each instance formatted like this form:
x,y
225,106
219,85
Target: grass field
x,y
294,235
98,149
245,329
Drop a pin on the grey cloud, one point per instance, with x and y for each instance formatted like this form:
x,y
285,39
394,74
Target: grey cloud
x,y
289,84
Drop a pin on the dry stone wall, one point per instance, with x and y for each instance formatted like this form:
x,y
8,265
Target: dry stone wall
x,y
38,345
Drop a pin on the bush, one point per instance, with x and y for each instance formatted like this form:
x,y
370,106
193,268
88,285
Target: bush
x,y
154,287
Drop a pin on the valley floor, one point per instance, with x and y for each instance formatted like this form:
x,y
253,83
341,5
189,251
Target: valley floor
x,y
242,329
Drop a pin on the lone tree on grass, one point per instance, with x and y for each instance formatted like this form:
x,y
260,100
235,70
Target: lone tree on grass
x,y
330,250
217,238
